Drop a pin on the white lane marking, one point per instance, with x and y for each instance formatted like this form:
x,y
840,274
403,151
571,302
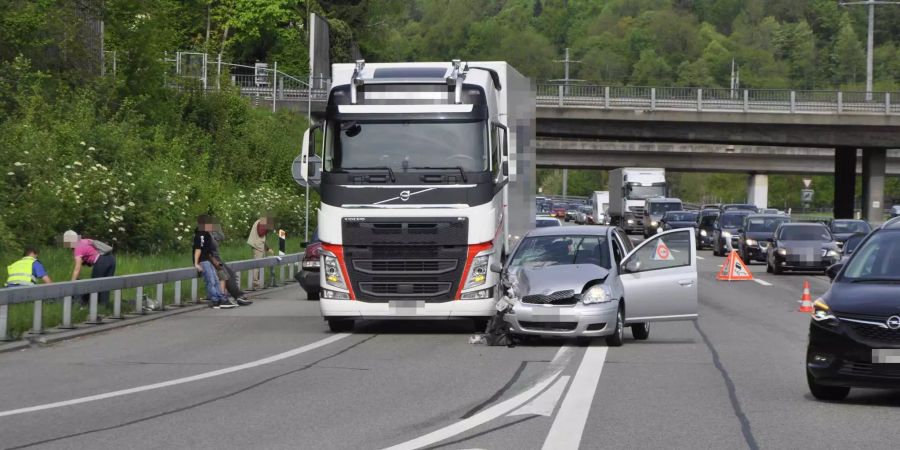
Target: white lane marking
x,y
762,282
567,428
559,361
701,258
544,404
177,381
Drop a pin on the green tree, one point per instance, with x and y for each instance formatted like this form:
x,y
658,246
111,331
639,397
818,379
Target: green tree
x,y
650,70
796,44
848,56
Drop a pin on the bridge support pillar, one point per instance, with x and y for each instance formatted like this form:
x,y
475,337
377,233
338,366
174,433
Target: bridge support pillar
x,y
844,182
758,190
873,167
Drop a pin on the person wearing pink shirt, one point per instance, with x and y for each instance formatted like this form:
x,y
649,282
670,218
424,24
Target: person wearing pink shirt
x,y
85,252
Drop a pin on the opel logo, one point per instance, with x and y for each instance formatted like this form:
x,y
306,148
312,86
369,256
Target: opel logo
x,y
404,196
893,322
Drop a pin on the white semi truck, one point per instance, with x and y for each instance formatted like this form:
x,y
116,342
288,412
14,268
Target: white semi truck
x,y
629,187
427,177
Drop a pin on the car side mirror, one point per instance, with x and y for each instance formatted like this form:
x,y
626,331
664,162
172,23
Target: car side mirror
x,y
496,267
631,265
833,270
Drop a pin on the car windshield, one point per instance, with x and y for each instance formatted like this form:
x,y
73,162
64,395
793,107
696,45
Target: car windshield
x,y
852,242
541,223
542,251
804,233
406,145
850,226
681,217
877,260
765,224
661,208
586,209
637,192
739,208
731,220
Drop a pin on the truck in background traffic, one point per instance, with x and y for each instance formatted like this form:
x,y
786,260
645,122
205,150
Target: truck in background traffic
x,y
600,204
427,179
654,210
629,187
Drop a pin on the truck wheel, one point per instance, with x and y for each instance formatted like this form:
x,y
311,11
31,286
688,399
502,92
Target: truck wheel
x,y
640,331
618,337
480,324
340,325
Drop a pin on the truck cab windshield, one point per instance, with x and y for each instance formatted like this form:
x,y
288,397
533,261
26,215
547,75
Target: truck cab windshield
x,y
638,192
661,208
405,145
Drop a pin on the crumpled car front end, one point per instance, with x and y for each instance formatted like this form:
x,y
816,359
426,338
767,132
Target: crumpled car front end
x,y
567,300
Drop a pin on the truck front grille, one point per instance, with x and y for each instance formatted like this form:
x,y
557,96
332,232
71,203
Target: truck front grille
x,y
404,289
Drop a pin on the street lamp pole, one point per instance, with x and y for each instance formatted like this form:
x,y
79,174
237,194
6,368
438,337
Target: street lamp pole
x,y
870,40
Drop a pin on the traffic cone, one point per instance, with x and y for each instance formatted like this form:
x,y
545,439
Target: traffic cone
x,y
806,305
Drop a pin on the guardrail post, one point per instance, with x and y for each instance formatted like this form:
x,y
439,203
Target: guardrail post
x,y
93,318
262,277
606,97
159,297
281,270
290,272
37,323
177,288
274,85
840,102
139,300
237,279
652,98
793,101
746,100
4,317
887,102
559,100
67,313
193,290
117,304
699,99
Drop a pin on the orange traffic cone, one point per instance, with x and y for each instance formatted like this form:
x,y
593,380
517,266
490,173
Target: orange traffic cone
x,y
806,305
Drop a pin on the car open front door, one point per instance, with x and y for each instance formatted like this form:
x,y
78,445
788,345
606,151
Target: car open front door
x,y
660,278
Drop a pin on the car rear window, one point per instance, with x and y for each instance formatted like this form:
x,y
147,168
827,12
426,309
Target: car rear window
x,y
804,233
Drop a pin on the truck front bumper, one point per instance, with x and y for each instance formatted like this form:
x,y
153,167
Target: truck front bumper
x,y
406,309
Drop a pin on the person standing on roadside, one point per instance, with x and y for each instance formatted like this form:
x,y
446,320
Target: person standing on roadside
x,y
92,253
203,261
257,241
227,278
27,270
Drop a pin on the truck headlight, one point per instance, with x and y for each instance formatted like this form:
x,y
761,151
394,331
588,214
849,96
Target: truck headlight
x,y
333,276
630,221
703,233
653,223
477,295
598,293
335,295
478,272
782,251
751,242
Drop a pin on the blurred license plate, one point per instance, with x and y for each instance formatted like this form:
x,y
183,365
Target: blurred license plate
x,y
886,356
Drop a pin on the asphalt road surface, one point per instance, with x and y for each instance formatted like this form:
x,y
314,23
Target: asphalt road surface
x,y
272,376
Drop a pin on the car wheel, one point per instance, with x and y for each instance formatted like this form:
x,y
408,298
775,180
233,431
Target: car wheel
x,y
340,325
768,266
640,331
776,269
716,249
618,337
828,393
746,258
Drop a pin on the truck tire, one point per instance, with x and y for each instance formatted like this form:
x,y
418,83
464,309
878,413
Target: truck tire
x,y
340,325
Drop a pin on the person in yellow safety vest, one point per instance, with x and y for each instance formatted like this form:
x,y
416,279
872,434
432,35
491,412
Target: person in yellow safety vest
x,y
26,271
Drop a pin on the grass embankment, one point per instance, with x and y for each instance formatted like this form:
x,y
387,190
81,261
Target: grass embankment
x,y
59,263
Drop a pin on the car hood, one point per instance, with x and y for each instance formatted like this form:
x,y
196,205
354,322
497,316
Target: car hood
x,y
759,235
804,245
869,299
547,280
842,236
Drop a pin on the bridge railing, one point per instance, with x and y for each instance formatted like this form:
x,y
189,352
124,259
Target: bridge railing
x,y
67,291
718,99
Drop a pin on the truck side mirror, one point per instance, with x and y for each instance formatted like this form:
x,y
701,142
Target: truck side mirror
x,y
307,167
496,267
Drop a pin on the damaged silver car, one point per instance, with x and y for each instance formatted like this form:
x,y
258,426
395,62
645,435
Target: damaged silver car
x,y
592,282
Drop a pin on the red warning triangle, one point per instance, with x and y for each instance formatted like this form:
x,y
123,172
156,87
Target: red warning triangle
x,y
734,269
662,252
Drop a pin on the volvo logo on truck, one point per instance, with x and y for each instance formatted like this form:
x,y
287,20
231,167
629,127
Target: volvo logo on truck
x,y
381,129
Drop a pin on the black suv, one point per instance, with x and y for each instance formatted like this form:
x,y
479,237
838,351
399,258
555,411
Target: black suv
x,y
755,233
706,225
854,334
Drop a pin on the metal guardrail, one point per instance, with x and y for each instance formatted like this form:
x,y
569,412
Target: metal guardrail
x,y
72,289
718,99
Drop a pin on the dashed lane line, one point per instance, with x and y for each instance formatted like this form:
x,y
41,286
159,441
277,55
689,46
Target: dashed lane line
x,y
177,381
762,282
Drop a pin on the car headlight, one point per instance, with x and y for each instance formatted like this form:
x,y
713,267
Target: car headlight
x,y
598,293
630,221
703,233
832,254
782,251
822,313
726,234
333,276
750,242
478,271
311,263
653,223
659,230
